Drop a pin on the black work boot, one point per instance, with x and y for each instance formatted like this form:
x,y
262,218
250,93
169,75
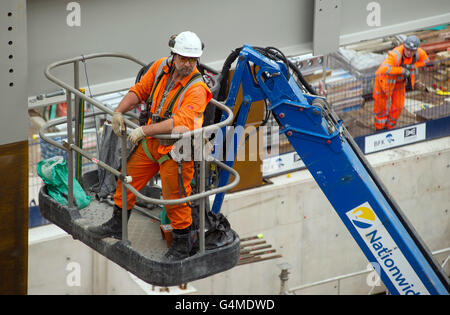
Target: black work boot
x,y
112,227
181,245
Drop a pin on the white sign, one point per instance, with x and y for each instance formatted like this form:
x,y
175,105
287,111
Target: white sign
x,y
395,138
385,250
287,162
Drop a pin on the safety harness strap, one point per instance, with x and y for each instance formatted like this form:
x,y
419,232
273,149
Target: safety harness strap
x,y
155,85
168,112
161,160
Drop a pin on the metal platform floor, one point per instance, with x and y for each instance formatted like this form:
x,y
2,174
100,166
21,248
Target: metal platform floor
x,y
143,255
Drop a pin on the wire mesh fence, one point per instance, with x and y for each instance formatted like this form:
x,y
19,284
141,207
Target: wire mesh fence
x,y
349,89
398,100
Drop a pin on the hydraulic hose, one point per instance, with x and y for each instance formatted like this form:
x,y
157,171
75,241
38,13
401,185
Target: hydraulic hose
x,y
270,52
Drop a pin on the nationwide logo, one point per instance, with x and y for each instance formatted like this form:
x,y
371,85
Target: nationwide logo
x,y
385,250
363,217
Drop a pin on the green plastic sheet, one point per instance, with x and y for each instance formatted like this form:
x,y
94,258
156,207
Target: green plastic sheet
x,y
53,172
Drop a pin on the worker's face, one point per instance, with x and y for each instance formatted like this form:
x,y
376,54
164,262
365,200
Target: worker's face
x,y
185,65
408,52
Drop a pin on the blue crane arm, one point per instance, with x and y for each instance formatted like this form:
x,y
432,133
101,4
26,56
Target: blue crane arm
x,y
360,199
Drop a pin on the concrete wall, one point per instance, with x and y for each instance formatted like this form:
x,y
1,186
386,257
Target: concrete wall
x,y
295,217
58,264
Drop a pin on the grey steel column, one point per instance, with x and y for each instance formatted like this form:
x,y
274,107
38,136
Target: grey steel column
x,y
70,200
14,146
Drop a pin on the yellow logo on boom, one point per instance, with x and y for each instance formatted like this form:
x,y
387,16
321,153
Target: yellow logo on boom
x,y
363,217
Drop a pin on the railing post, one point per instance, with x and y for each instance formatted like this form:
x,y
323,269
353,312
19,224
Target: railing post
x,y
76,81
284,276
70,200
124,187
202,200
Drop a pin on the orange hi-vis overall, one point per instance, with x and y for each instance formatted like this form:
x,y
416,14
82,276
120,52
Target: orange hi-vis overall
x,y
150,156
390,83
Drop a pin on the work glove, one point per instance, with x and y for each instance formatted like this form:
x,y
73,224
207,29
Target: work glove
x,y
136,135
410,67
405,72
118,123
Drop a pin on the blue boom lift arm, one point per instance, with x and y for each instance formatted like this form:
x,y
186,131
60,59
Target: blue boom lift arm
x,y
329,152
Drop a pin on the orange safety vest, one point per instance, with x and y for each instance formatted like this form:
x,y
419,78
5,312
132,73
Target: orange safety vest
x,y
188,103
390,71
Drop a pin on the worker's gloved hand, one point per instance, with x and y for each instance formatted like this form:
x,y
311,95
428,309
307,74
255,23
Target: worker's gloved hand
x,y
412,68
136,135
405,72
118,123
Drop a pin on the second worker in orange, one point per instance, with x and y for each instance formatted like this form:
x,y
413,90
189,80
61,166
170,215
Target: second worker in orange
x,y
400,64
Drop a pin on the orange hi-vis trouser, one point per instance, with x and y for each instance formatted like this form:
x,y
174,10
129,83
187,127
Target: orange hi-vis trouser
x,y
381,93
142,169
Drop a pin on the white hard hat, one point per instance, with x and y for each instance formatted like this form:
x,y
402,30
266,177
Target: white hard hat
x,y
186,44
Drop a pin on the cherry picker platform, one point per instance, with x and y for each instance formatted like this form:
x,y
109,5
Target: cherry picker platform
x,y
142,247
142,253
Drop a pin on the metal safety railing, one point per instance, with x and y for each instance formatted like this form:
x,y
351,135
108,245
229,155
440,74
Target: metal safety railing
x,y
338,279
126,180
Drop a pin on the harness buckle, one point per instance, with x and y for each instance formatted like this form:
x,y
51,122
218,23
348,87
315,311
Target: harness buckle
x,y
157,119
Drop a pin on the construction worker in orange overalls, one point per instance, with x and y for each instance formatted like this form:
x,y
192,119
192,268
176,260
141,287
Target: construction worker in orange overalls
x,y
391,77
178,97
